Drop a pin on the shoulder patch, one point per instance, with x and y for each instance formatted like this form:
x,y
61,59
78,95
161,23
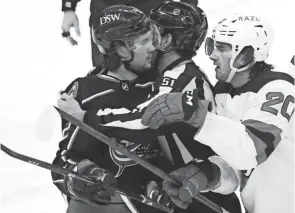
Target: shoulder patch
x,y
74,90
125,86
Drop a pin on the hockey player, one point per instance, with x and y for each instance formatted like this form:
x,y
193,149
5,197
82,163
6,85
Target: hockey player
x,y
251,130
183,29
127,41
70,18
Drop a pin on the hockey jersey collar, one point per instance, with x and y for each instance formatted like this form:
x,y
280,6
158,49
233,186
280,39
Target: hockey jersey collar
x,y
253,85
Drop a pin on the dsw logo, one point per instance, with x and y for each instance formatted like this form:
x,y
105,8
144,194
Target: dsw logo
x,y
109,18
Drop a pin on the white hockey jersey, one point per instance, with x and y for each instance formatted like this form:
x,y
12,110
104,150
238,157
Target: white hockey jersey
x,y
253,132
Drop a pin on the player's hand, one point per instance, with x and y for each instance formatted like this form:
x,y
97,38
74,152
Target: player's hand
x,y
71,106
70,20
103,189
155,192
193,179
176,107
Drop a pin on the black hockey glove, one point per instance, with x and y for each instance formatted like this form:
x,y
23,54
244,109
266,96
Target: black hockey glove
x,y
155,192
176,107
94,193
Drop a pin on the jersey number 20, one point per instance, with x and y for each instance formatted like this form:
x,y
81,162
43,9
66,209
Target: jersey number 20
x,y
277,98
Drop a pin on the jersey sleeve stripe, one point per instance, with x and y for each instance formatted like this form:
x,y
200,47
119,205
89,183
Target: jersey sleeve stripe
x,y
73,138
97,95
265,136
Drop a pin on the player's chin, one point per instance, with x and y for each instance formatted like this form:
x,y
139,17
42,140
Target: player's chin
x,y
220,77
147,65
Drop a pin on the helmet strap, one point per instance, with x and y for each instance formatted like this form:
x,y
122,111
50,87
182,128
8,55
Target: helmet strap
x,y
249,62
127,64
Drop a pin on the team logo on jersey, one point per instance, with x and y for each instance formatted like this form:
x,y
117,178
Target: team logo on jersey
x,y
124,86
74,90
143,151
176,11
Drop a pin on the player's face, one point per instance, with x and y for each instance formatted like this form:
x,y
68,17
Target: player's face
x,y
221,57
143,48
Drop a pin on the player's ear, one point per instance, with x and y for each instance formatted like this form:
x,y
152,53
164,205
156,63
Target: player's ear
x,y
123,51
166,41
245,57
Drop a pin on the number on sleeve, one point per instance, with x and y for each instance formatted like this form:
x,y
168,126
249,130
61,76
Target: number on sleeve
x,y
275,98
168,82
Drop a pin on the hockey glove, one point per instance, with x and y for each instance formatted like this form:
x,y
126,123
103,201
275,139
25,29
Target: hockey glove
x,y
176,107
155,192
94,193
194,180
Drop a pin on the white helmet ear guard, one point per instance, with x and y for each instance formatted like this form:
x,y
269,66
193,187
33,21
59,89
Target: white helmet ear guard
x,y
241,31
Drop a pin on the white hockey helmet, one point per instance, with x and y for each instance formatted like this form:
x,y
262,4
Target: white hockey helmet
x,y
241,31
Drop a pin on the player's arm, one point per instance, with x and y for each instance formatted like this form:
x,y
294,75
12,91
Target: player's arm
x,y
131,119
248,143
122,117
74,161
68,136
64,157
70,20
213,174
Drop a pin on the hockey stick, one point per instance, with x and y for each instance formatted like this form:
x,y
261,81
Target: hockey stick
x,y
54,168
155,170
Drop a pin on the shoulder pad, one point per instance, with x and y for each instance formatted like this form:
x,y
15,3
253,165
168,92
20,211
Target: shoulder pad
x,y
256,84
73,88
95,71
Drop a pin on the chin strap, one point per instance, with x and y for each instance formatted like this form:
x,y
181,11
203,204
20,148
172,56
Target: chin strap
x,y
235,70
231,75
128,67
